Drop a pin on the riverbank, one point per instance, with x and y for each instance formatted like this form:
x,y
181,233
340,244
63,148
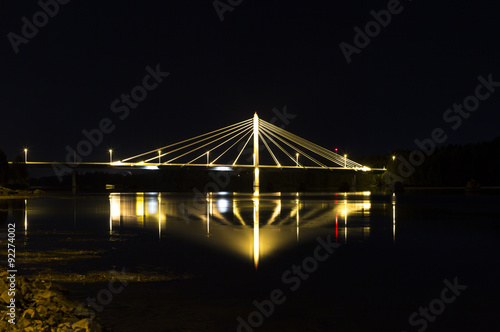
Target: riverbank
x,y
41,305
7,193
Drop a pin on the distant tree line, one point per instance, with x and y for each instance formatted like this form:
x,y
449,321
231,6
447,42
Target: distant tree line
x,y
451,165
14,176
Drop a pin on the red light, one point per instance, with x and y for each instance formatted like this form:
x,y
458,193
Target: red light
x,y
336,149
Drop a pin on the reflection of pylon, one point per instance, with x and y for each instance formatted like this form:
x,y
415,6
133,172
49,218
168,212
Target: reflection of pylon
x,y
256,239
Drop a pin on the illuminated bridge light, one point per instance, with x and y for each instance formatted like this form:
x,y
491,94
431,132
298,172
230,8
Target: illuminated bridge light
x,y
151,168
222,168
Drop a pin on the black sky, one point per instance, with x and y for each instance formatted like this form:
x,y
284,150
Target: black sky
x,y
263,55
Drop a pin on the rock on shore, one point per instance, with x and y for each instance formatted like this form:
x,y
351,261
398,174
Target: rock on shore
x,y
42,306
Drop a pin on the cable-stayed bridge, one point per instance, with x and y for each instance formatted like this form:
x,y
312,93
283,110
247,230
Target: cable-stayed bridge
x,y
285,150
252,143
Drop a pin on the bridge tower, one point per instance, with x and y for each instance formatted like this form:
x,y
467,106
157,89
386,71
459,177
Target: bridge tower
x,y
256,154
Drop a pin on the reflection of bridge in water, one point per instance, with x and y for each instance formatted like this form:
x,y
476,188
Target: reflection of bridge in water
x,y
247,225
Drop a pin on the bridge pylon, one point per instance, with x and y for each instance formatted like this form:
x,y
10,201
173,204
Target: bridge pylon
x,y
256,154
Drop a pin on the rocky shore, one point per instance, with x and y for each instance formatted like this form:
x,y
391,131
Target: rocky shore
x,y
4,191
41,306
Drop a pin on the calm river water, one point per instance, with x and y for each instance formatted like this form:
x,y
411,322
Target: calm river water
x,y
360,261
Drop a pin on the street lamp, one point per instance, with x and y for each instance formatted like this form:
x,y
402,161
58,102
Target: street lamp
x,y
297,159
393,158
110,156
25,155
345,161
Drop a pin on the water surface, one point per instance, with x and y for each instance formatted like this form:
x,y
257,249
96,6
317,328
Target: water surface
x,y
218,253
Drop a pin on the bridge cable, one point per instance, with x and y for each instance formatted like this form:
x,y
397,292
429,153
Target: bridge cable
x,y
244,130
186,140
199,146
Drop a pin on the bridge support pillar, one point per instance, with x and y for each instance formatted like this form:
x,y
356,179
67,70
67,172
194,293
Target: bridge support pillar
x,y
256,184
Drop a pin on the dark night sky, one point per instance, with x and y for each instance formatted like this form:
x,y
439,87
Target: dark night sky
x,y
264,55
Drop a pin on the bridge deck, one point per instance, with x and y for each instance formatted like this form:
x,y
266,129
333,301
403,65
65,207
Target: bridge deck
x,y
227,167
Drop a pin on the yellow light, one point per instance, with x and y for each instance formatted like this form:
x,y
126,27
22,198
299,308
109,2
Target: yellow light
x,y
159,216
393,221
297,215
256,182
256,241
115,206
393,157
345,220
139,206
25,216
